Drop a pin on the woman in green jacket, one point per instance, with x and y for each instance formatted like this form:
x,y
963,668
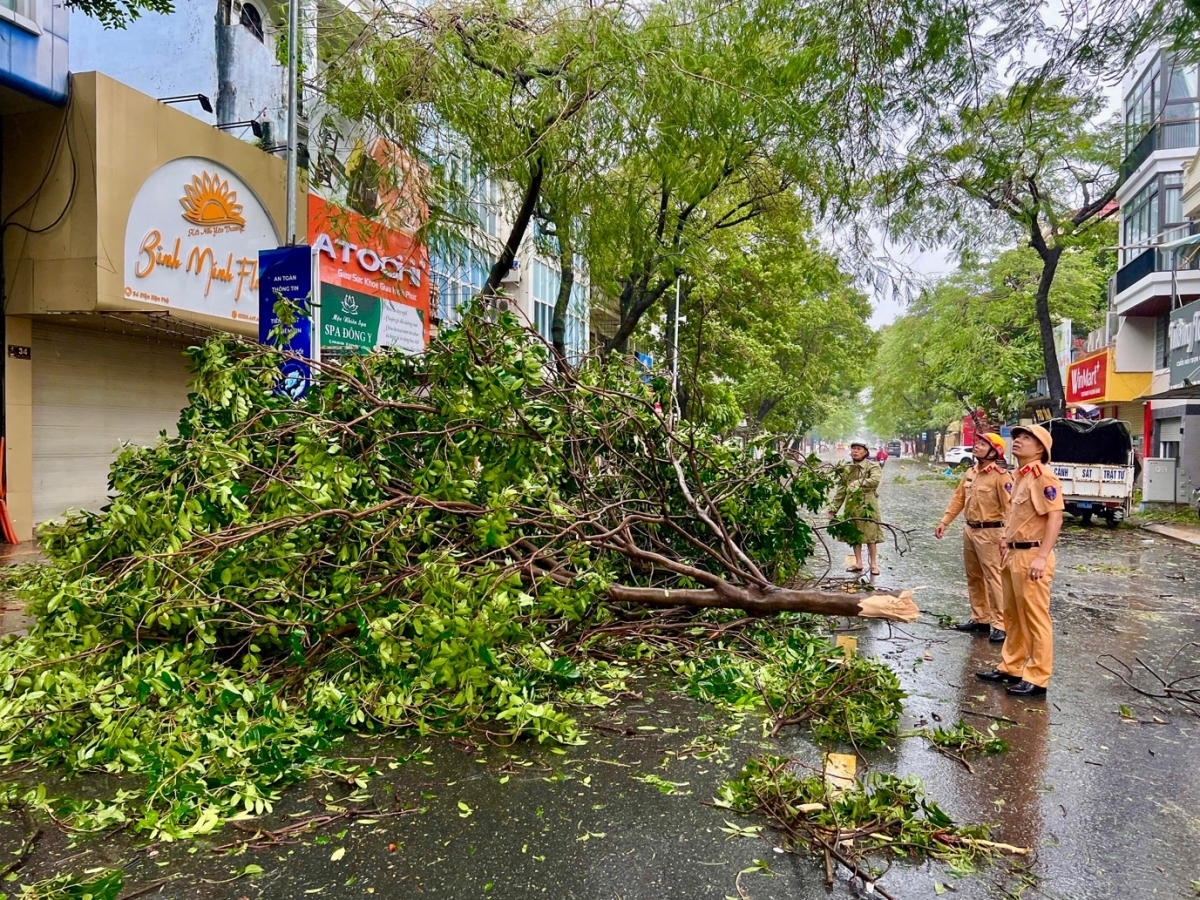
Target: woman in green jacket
x,y
858,490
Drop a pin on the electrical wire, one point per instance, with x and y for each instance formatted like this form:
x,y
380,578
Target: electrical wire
x,y
63,130
28,229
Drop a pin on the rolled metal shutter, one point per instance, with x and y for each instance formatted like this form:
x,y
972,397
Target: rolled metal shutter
x,y
1170,429
93,391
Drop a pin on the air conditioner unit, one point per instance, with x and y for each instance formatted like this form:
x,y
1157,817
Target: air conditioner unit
x,y
513,275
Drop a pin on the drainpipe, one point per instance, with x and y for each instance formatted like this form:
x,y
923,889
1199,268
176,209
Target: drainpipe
x,y
226,86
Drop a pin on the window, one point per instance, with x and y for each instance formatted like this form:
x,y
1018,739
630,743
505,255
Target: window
x,y
251,20
1140,107
1168,92
1162,347
22,13
1154,215
545,295
1168,449
459,279
480,192
1140,222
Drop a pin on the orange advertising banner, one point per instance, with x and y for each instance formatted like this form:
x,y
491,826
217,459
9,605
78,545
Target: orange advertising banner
x,y
362,263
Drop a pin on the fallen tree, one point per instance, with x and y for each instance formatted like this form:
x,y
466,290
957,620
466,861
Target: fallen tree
x,y
410,546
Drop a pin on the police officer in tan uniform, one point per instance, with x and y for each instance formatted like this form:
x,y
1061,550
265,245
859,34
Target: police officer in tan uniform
x,y
1030,532
984,494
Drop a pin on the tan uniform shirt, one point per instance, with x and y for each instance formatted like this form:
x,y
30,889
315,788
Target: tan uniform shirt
x,y
983,493
1036,493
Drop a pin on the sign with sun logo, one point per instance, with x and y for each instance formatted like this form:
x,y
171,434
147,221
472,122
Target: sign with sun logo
x,y
192,242
209,201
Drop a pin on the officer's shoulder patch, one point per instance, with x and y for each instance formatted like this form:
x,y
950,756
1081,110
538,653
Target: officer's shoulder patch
x,y
1050,492
1036,471
1008,486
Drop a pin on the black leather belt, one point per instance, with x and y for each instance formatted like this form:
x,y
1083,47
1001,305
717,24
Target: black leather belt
x,y
1024,545
986,524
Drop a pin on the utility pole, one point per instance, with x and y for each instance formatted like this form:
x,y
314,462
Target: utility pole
x,y
675,356
292,115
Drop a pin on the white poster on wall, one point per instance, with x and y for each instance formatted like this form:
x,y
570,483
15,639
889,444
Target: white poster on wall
x,y
192,241
1063,345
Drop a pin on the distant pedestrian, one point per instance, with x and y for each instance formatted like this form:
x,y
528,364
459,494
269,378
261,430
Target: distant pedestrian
x,y
1027,554
881,457
984,493
858,491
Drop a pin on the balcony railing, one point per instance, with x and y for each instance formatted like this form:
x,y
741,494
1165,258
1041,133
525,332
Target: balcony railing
x,y
1155,259
1175,135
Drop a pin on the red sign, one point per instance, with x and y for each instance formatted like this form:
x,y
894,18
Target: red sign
x,y
367,258
1086,379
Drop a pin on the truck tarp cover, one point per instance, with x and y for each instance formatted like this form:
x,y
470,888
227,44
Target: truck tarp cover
x,y
1101,442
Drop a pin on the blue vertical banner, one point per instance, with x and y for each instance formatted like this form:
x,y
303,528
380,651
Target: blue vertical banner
x,y
287,273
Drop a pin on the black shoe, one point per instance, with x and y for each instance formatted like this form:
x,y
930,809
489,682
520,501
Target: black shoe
x,y
997,675
972,625
997,636
1025,689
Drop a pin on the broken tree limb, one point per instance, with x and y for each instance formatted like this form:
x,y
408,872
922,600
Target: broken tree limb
x,y
775,599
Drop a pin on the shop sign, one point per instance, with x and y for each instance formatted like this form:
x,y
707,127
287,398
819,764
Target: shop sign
x,y
374,281
1183,335
192,241
287,274
1087,379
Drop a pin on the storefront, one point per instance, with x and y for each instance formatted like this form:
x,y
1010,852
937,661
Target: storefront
x,y
143,239
1175,415
1095,387
374,282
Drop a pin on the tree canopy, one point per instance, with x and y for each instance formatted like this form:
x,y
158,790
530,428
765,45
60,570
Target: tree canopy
x,y
645,131
972,341
1025,160
774,325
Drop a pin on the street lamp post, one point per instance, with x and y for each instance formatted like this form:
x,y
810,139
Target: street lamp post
x,y
675,411
292,125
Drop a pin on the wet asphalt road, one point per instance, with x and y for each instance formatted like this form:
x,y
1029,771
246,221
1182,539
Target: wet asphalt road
x,y
1111,807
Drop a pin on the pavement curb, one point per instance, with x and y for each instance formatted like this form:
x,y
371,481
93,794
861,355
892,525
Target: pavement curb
x,y
1186,533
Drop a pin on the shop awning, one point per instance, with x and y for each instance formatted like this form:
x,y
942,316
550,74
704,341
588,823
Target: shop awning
x,y
1187,392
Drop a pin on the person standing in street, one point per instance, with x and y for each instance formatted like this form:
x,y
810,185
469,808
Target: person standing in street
x,y
984,494
858,490
1027,555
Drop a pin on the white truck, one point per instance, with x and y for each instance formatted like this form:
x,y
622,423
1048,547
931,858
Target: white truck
x,y
1094,461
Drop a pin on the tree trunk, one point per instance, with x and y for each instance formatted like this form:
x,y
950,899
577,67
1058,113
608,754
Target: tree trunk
x,y
774,600
642,297
503,264
1058,398
765,408
566,264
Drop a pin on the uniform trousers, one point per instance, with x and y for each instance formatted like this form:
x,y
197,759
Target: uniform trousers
x,y
1029,643
981,559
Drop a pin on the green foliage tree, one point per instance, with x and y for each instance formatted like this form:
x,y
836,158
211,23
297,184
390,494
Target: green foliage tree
x,y
973,342
1026,160
642,134
120,13
745,106
775,321
511,91
845,421
413,545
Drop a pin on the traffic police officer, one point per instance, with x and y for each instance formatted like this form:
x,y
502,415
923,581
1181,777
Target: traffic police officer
x,y
984,494
1027,550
